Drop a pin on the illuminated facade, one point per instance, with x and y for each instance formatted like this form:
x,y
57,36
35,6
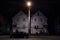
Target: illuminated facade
x,y
38,23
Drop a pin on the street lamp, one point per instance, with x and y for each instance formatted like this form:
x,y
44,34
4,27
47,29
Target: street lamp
x,y
29,6
29,18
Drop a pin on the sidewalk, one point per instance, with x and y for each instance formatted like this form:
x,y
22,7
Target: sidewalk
x,y
8,36
4,36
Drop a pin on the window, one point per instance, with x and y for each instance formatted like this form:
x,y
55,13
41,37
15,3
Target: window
x,y
17,19
36,27
23,27
14,25
38,14
35,19
41,19
23,19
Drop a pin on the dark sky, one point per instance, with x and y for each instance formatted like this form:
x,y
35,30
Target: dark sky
x,y
10,7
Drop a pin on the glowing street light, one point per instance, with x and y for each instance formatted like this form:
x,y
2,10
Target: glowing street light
x,y
28,3
29,6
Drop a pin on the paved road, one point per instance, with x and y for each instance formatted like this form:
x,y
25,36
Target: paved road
x,y
32,38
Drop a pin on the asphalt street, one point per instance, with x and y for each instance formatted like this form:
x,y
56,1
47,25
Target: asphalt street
x,y
31,38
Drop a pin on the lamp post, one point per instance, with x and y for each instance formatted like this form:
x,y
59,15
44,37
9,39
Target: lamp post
x,y
29,18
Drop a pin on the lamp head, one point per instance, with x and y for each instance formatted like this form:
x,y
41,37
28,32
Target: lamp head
x,y
28,3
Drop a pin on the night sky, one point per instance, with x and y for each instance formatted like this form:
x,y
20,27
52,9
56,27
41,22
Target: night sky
x,y
11,7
